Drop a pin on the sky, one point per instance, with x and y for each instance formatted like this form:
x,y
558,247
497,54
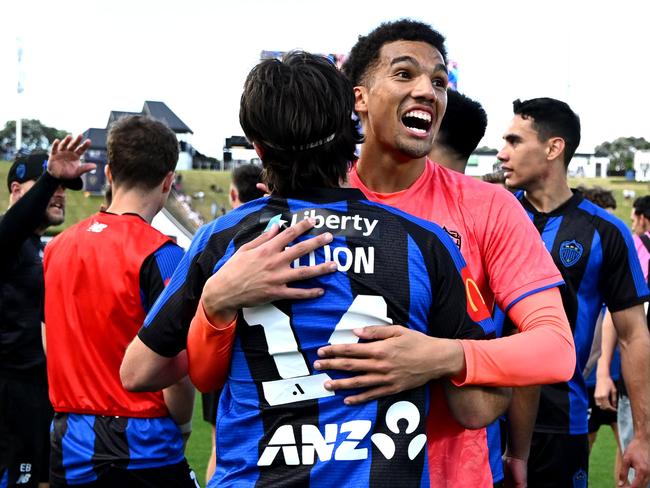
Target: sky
x,y
82,59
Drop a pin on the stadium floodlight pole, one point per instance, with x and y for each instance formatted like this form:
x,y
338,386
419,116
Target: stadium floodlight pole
x,y
19,90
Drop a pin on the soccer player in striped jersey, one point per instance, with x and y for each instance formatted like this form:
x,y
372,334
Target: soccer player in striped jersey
x,y
101,277
278,424
595,254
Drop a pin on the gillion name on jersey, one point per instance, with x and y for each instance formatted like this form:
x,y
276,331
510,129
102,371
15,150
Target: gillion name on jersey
x,y
359,259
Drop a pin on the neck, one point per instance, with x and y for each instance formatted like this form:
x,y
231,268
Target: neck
x,y
550,192
144,203
385,172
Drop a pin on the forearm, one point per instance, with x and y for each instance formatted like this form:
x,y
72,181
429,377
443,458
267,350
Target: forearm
x,y
522,414
209,348
25,216
609,339
179,399
145,370
474,407
524,359
635,361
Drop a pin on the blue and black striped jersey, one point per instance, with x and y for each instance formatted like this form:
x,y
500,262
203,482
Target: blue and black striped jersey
x,y
277,424
596,256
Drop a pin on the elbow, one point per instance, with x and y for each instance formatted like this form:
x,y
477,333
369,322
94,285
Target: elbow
x,y
130,380
565,359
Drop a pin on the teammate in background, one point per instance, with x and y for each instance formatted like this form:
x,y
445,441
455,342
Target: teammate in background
x,y
242,189
101,277
595,253
400,79
461,129
640,219
396,269
599,376
36,201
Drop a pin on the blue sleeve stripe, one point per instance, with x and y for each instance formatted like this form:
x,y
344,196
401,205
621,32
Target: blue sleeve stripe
x,y
167,258
532,292
640,282
198,244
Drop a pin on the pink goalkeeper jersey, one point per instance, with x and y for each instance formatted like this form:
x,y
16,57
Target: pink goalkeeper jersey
x,y
507,259
643,253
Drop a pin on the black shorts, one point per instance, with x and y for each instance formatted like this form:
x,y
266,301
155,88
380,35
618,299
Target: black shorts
x,y
598,416
558,461
25,418
210,402
173,476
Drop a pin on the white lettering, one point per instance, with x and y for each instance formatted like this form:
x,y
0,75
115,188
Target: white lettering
x,y
337,222
350,434
314,442
342,266
347,450
361,259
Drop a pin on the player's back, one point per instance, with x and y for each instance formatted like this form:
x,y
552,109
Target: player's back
x,y
277,423
93,310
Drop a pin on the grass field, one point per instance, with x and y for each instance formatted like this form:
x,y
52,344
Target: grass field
x,y
215,186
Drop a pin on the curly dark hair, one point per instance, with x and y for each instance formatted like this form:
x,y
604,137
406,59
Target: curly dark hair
x,y
463,125
642,206
299,112
141,151
365,53
552,118
598,195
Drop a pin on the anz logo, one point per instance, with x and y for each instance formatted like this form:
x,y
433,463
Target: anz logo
x,y
341,442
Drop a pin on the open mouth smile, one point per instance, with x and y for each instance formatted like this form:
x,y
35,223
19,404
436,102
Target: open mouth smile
x,y
417,121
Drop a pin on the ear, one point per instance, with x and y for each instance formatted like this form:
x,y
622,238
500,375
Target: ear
x,y
555,148
168,182
360,99
108,174
15,189
258,150
233,196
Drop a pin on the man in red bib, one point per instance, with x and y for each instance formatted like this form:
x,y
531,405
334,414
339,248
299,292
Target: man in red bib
x,y
101,277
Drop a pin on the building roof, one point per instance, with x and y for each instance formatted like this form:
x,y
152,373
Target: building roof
x,y
160,111
117,115
97,138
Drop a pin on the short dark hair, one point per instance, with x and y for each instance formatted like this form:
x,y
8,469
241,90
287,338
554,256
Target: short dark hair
x,y
365,53
463,125
552,118
244,178
141,151
598,195
299,111
642,206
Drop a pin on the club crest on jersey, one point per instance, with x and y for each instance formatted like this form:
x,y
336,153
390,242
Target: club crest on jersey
x,y
570,252
455,236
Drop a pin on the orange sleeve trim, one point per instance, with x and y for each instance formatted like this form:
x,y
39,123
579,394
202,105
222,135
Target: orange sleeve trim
x,y
209,349
542,353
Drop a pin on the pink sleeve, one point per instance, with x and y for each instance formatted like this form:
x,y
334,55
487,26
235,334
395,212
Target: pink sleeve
x,y
209,348
516,262
542,353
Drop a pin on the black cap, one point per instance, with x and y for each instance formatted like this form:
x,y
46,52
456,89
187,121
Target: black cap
x,y
31,166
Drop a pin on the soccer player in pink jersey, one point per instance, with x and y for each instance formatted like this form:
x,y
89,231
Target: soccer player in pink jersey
x,y
400,77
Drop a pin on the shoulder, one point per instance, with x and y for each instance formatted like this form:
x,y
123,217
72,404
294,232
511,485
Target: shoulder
x,y
470,188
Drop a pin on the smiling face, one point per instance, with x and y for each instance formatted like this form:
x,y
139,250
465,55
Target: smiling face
x,y
524,156
403,98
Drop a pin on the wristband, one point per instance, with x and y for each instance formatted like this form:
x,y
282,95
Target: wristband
x,y
185,428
